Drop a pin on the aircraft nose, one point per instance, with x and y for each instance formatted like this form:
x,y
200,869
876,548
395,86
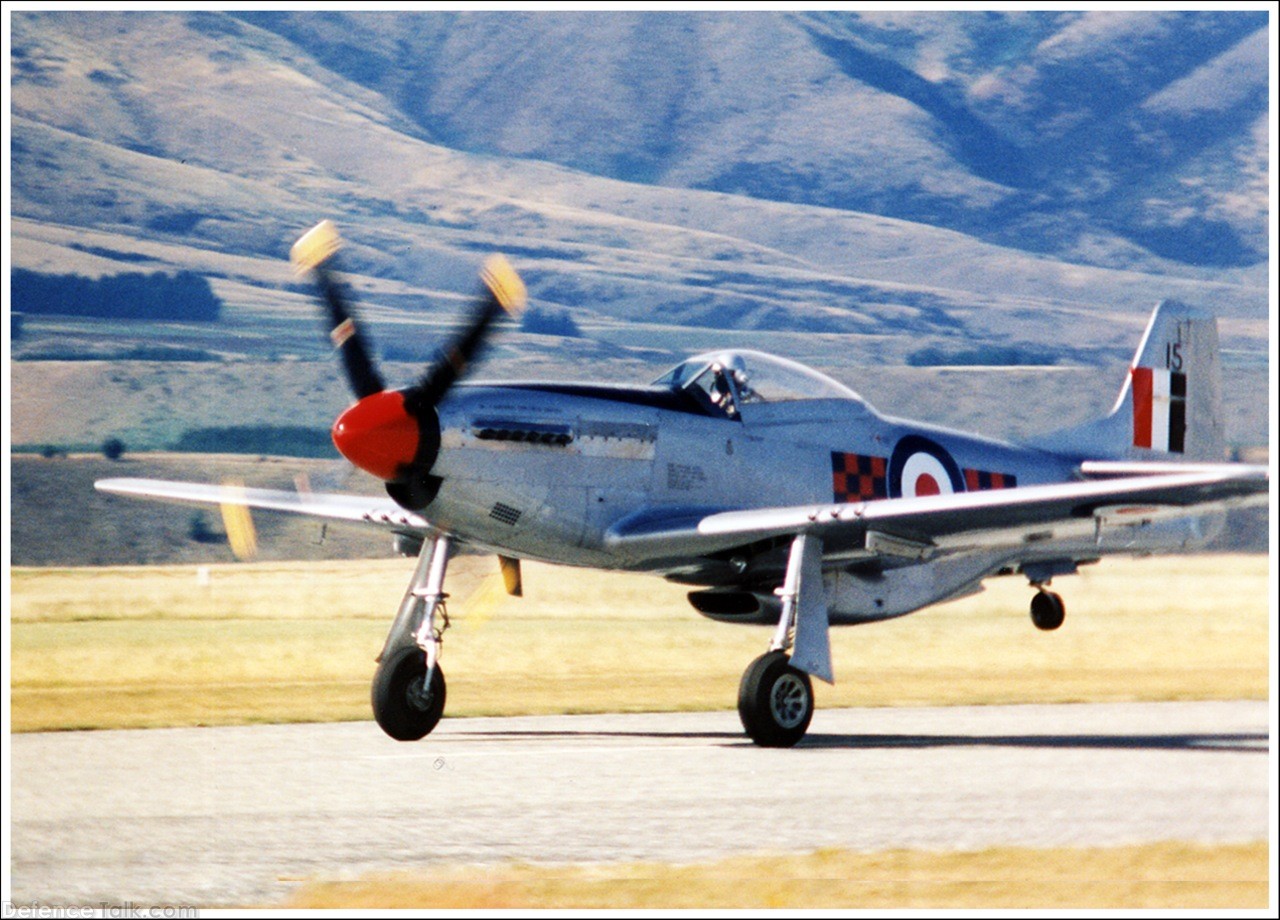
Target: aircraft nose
x,y
378,435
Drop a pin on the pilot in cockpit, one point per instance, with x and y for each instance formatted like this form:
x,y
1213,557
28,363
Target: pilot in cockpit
x,y
721,393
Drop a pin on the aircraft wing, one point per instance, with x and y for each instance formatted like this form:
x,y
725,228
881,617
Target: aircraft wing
x,y
922,527
358,509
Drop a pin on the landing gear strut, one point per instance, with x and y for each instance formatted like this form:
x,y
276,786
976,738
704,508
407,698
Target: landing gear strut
x,y
408,688
775,698
1047,610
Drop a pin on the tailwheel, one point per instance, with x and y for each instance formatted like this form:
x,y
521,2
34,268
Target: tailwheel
x,y
405,707
1047,610
775,701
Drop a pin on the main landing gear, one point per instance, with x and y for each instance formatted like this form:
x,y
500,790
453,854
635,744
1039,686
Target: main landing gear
x,y
775,698
408,687
775,701
406,704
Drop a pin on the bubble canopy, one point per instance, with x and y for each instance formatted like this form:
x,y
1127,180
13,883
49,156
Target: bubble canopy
x,y
756,377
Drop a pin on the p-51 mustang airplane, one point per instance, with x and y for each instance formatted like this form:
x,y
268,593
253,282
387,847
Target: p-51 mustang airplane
x,y
774,492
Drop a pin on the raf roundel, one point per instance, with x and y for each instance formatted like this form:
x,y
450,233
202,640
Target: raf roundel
x,y
920,467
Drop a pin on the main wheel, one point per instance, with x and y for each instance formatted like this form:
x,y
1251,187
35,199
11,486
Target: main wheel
x,y
1047,610
775,701
404,708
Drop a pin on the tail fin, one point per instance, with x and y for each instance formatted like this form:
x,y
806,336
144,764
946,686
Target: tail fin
x,y
1170,406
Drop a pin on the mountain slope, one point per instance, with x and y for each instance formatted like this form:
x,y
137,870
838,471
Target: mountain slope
x,y
1034,128
208,141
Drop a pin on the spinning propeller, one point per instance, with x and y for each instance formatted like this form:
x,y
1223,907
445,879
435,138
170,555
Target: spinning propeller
x,y
395,434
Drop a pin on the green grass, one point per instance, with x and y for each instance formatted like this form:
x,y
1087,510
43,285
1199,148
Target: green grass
x,y
267,642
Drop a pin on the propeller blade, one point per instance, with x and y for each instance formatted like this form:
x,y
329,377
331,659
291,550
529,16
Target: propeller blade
x,y
314,252
395,434
238,522
504,292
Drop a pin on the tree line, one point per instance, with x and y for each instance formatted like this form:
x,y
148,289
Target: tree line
x,y
132,295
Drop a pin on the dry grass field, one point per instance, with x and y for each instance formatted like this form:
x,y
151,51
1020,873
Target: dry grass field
x,y
270,642
1164,875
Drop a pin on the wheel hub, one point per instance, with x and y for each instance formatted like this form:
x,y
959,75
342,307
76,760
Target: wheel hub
x,y
788,701
417,695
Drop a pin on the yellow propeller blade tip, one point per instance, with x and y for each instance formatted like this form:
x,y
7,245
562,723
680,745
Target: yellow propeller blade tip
x,y
505,285
483,602
315,247
238,521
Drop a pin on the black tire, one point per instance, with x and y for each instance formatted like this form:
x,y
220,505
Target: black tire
x,y
1047,610
775,701
399,705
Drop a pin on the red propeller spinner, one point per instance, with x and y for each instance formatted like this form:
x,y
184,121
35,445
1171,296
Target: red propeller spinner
x,y
378,435
395,434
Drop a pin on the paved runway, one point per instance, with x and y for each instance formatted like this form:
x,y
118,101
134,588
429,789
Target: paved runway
x,y
239,815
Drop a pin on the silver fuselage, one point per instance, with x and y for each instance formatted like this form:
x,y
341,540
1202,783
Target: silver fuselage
x,y
544,471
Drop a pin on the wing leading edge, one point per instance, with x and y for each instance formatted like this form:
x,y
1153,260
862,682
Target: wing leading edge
x,y
332,506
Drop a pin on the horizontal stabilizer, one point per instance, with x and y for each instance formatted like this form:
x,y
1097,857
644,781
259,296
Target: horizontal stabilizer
x,y
1098,469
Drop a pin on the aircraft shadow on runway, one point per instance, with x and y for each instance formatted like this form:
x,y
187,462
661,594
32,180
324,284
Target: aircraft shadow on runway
x,y
1229,742
1242,742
